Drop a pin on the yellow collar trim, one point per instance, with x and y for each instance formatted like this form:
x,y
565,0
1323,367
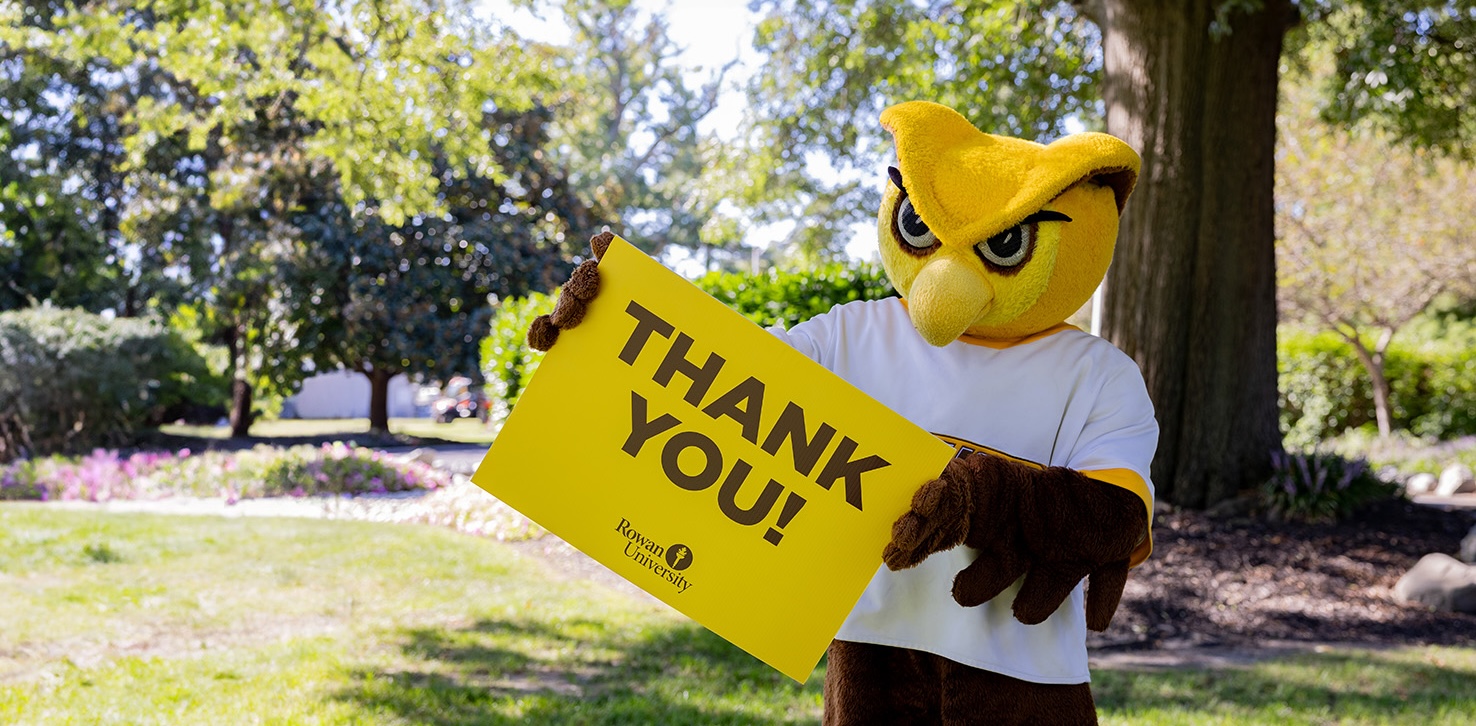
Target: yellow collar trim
x,y
1002,343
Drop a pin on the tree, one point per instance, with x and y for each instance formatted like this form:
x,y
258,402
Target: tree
x,y
415,298
252,100
1370,233
628,135
1193,87
1016,68
1191,292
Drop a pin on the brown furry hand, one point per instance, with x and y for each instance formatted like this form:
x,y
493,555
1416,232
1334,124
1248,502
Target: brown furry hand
x,y
937,521
1075,527
574,300
1053,526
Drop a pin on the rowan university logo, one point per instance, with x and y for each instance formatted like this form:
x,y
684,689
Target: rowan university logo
x,y
664,561
678,557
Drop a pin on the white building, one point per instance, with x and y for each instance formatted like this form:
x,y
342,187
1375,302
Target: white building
x,y
345,394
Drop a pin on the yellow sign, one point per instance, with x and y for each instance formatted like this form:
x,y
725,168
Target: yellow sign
x,y
709,463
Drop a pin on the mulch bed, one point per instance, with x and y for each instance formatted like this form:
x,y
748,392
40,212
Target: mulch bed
x,y
1244,582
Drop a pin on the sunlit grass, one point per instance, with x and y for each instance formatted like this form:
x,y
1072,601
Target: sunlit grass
x,y
1412,686
153,619
207,620
466,430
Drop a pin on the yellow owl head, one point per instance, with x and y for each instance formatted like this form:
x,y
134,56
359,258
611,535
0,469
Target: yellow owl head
x,y
994,237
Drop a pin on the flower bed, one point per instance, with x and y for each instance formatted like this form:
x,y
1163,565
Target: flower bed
x,y
261,472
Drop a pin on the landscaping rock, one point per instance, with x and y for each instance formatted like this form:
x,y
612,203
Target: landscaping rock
x,y
1456,479
1440,582
1421,483
1468,547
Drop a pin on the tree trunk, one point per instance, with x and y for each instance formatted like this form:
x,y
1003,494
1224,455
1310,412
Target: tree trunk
x,y
1373,364
240,416
1192,289
379,400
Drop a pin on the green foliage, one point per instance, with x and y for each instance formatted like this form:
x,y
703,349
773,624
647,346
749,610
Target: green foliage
x,y
629,139
1021,68
71,380
198,387
790,298
356,73
1409,66
1320,487
775,297
507,361
1325,391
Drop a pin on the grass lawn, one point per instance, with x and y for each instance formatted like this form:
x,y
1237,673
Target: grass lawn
x,y
154,619
467,431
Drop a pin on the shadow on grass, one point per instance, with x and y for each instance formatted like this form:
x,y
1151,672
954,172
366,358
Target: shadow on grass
x,y
155,439
580,671
1409,686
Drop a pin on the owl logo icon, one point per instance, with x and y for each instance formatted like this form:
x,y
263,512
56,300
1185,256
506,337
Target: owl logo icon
x,y
679,557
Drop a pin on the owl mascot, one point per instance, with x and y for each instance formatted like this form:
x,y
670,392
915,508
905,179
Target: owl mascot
x,y
980,609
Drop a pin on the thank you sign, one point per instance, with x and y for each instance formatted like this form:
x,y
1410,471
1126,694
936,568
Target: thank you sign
x,y
709,463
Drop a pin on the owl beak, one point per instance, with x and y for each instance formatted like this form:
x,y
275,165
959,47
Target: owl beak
x,y
945,298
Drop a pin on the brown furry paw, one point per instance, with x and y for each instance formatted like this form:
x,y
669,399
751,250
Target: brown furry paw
x,y
1046,586
601,242
542,334
573,300
988,576
1104,592
938,520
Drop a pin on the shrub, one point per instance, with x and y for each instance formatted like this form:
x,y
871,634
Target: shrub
x,y
198,388
773,297
71,380
507,361
1325,391
791,298
1321,487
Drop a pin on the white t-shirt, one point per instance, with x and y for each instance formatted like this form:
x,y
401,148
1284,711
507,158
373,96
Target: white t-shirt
x,y
1065,398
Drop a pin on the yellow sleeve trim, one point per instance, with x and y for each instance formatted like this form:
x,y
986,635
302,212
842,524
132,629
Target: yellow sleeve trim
x,y
1131,481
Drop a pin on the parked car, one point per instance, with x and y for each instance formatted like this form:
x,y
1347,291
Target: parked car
x,y
460,399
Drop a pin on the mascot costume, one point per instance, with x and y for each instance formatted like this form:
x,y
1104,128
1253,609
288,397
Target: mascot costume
x,y
980,613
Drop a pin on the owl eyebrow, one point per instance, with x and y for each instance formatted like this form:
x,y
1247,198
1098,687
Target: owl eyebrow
x,y
1045,215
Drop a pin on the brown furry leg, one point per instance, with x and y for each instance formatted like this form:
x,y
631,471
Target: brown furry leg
x,y
973,696
878,684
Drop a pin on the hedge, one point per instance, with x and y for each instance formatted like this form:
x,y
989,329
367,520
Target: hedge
x,y
507,361
791,298
773,297
1325,391
71,380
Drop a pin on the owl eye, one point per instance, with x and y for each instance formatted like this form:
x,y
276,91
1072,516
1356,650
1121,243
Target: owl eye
x,y
911,229
1009,248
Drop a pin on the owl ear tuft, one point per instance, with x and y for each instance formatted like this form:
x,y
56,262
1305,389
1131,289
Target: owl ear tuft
x,y
1120,181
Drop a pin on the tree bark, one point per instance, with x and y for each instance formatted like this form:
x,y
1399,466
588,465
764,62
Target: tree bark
x,y
240,415
379,400
1373,364
1191,292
